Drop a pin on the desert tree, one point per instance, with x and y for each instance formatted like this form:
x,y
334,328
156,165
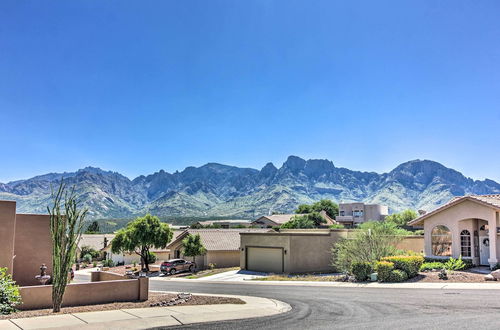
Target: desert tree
x,y
193,246
140,236
66,222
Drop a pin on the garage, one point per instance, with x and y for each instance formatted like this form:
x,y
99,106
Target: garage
x,y
264,259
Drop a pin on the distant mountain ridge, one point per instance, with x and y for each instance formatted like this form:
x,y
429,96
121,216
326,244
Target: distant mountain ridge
x,y
216,190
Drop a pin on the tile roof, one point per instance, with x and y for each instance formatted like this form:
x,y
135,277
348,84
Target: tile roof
x,y
219,239
211,222
95,241
488,200
279,218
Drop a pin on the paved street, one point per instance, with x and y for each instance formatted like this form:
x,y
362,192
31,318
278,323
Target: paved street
x,y
357,308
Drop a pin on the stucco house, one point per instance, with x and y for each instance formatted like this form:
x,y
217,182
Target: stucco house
x,y
130,258
276,220
466,226
222,245
25,243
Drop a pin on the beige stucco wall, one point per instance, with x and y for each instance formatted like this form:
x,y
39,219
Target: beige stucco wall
x,y
458,217
271,239
33,247
412,243
223,258
7,233
36,297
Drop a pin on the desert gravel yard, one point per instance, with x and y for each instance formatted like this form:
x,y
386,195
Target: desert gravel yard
x,y
153,299
453,277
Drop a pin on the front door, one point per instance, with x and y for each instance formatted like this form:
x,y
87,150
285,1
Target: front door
x,y
484,250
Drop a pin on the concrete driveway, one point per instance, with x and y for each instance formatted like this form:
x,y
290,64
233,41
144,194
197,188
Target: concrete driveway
x,y
232,275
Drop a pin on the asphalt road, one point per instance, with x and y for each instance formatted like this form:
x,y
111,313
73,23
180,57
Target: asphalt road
x,y
357,308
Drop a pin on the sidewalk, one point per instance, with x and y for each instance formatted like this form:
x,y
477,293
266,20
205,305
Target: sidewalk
x,y
143,318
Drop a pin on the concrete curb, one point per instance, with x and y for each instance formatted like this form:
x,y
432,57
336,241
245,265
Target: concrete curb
x,y
143,318
423,285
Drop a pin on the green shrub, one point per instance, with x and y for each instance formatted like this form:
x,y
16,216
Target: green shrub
x,y
398,275
151,258
108,263
89,250
361,270
87,258
468,262
94,264
384,269
428,266
409,264
497,266
455,264
9,293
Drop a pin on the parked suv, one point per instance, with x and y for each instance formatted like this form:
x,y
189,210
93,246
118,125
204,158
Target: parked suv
x,y
173,266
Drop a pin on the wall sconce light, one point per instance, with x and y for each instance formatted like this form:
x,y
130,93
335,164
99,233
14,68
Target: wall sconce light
x,y
242,249
285,251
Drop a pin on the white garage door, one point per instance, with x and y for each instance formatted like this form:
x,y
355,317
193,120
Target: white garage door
x,y
264,259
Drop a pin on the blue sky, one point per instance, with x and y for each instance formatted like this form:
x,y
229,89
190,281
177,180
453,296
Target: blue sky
x,y
146,85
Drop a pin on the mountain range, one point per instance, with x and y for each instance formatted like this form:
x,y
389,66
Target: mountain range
x,y
216,190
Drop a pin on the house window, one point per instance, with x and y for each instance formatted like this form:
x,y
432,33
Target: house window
x,y
441,241
465,243
358,213
342,213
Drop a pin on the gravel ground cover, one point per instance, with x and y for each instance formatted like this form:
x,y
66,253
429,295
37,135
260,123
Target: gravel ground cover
x,y
154,298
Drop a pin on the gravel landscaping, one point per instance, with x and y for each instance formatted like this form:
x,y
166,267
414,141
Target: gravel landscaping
x,y
453,277
154,299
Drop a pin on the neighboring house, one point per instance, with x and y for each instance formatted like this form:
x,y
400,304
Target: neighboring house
x,y
225,224
300,250
466,226
276,220
351,214
223,246
130,258
96,241
25,243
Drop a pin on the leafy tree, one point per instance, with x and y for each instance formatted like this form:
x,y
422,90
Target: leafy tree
x,y
89,250
66,223
193,246
93,228
331,208
371,242
298,222
141,235
402,219
9,293
304,209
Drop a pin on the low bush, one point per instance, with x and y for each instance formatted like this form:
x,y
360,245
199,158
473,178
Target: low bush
x,y
467,262
455,264
87,258
151,258
497,266
409,264
361,270
398,275
429,266
108,263
9,293
384,269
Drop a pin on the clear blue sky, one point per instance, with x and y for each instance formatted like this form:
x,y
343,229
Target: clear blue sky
x,y
146,85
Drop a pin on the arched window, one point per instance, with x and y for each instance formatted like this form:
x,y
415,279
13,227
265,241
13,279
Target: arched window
x,y
465,243
441,241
